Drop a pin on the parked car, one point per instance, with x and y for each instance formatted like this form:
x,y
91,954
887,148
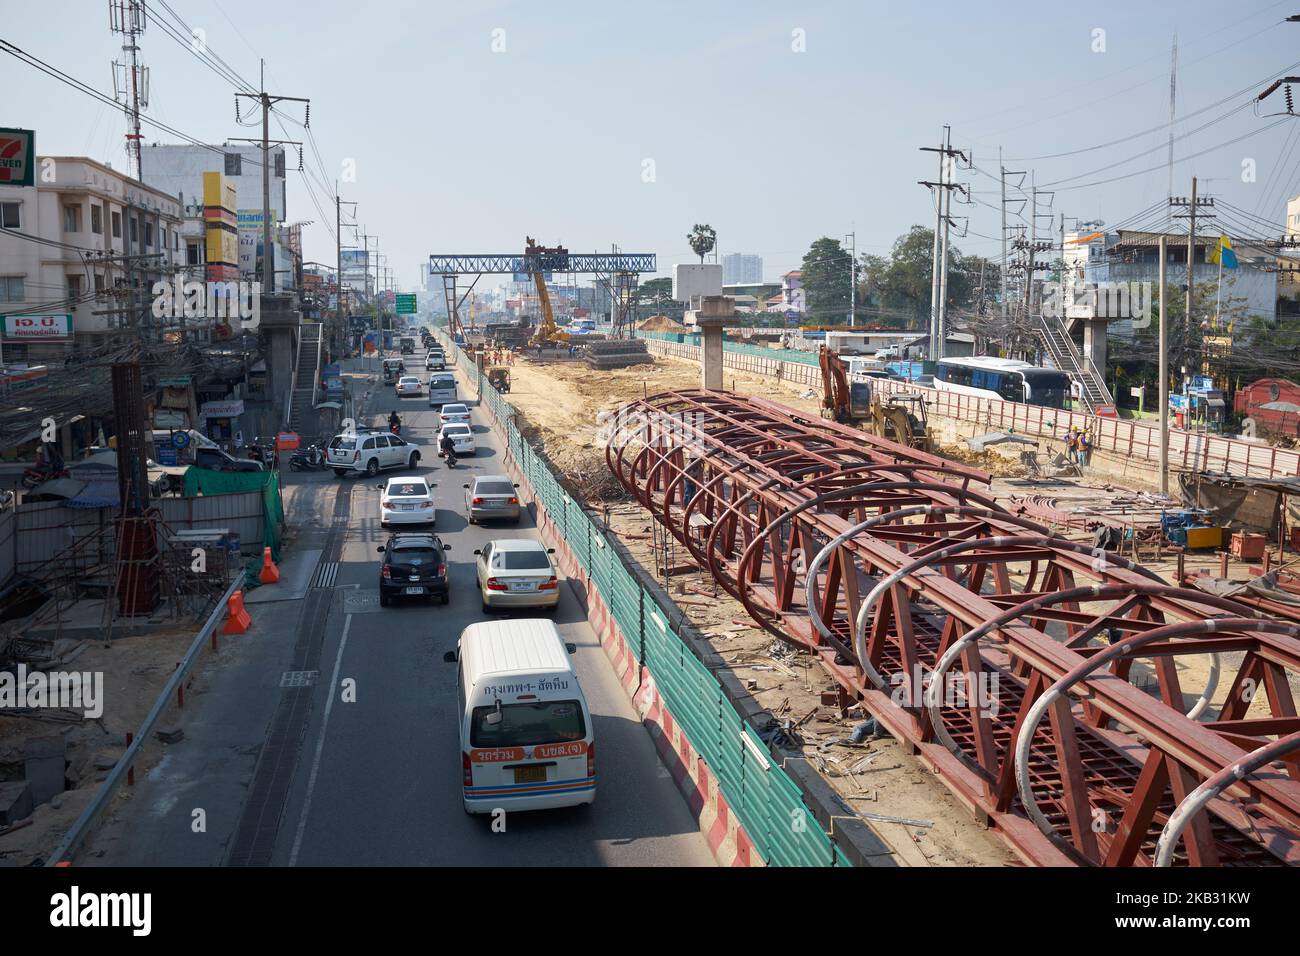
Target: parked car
x,y
454,413
517,572
414,565
406,501
408,385
217,460
462,438
368,452
493,497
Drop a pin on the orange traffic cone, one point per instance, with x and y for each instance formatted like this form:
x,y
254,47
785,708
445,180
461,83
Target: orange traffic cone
x,y
237,618
270,573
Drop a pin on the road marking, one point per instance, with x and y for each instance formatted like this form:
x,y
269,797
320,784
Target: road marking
x,y
320,744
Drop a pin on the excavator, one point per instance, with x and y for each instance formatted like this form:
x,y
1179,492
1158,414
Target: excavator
x,y
899,418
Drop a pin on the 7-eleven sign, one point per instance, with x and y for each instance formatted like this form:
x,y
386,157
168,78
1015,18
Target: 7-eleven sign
x,y
17,157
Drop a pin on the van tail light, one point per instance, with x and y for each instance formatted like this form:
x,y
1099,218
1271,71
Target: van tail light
x,y
550,585
494,585
467,769
386,573
514,501
591,759
477,501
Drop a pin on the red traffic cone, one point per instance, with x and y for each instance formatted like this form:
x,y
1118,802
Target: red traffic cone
x,y
270,573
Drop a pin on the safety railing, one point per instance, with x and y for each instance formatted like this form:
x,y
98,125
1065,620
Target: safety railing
x,y
765,798
172,693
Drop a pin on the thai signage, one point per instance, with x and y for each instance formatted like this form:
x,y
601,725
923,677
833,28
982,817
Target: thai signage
x,y
37,328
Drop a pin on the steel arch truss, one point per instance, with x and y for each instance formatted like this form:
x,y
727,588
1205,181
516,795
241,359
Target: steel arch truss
x,y
913,565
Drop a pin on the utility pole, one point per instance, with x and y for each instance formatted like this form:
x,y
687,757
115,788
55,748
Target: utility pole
x,y
341,313
852,239
129,18
1192,205
1164,370
267,262
939,267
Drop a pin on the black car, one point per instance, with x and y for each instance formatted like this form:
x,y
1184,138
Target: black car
x,y
414,565
215,459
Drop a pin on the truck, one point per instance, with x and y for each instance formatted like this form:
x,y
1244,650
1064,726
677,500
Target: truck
x,y
407,344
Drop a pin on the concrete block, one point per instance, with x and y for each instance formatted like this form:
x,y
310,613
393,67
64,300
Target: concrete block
x,y
45,766
15,802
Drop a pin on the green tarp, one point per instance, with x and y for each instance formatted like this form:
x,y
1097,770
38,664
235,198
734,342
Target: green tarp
x,y
204,481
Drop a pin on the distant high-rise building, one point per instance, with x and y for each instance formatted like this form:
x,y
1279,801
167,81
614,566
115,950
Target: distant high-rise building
x,y
739,267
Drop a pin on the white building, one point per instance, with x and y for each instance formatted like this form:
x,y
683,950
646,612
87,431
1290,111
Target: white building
x,y
738,267
792,293
179,169
696,278
103,237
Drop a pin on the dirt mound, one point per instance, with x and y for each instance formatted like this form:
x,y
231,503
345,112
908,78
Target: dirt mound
x,y
660,323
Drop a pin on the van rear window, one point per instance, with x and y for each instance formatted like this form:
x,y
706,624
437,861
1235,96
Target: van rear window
x,y
340,442
527,725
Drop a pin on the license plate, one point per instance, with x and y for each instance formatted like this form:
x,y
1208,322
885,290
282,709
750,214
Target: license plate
x,y
415,590
523,586
408,507
530,774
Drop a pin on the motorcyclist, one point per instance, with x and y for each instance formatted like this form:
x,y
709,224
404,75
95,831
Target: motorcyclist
x,y
394,423
448,447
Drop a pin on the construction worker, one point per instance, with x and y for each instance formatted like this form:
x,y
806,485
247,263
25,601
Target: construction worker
x,y
1085,448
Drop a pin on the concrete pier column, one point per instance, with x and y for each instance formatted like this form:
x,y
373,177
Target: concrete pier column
x,y
711,351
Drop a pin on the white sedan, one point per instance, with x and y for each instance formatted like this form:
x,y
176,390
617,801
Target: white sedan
x,y
408,385
517,573
455,413
406,501
462,438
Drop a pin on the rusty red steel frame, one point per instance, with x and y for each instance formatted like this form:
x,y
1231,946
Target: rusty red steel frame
x,y
1037,677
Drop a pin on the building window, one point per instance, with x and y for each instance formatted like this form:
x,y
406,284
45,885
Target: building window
x,y
117,225
148,234
74,286
97,219
10,215
11,289
99,283
72,219
192,253
232,164
135,232
279,165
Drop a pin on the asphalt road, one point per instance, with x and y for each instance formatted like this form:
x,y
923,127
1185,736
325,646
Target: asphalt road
x,y
375,781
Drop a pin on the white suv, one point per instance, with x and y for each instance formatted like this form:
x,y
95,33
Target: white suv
x,y
367,452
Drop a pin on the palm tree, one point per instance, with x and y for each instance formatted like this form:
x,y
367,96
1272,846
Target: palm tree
x,y
702,239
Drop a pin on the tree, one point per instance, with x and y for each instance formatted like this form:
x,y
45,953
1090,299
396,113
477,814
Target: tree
x,y
702,239
826,274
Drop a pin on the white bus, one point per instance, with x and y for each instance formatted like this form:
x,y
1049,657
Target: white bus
x,y
1005,379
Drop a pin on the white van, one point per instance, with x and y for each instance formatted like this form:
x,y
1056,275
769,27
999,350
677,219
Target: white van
x,y
442,389
526,736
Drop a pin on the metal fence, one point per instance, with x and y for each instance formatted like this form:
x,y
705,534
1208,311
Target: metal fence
x,y
764,797
43,529
1196,451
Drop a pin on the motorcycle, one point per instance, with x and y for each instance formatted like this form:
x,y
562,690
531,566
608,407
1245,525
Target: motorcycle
x,y
36,476
450,458
309,460
395,428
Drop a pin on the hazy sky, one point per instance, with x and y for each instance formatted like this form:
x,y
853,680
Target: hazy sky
x,y
473,125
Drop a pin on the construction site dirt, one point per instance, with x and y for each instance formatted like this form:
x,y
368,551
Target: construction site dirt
x,y
561,406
